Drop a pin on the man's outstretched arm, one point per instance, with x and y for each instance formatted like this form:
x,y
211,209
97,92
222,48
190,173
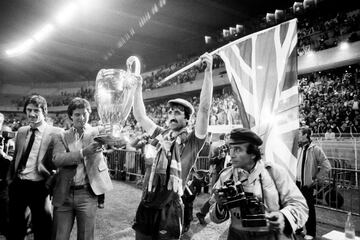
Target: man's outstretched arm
x,y
140,113
202,117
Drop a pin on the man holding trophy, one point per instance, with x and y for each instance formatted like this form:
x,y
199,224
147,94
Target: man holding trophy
x,y
159,215
82,175
78,152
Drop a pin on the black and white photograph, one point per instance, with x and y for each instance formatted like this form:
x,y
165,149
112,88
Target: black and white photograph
x,y
179,120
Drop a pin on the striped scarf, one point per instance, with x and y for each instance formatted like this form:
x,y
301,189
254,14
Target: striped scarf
x,y
168,157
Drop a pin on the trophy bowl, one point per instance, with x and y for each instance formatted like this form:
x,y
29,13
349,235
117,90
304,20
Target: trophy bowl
x,y
114,97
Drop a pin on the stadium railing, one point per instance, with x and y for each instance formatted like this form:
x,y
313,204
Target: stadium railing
x,y
339,192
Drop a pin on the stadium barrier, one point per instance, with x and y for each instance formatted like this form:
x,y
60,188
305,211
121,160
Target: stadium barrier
x,y
339,192
125,164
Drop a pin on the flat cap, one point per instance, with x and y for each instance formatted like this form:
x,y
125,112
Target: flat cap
x,y
183,103
243,135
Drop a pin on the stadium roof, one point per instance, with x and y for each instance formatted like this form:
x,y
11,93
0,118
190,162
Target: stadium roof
x,y
104,33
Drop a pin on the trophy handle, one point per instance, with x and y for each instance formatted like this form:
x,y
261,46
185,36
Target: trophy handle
x,y
129,63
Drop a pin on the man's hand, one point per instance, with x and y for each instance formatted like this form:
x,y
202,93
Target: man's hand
x,y
92,148
4,154
208,59
276,221
219,198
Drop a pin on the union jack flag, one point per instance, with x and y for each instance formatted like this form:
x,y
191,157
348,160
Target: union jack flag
x,y
262,69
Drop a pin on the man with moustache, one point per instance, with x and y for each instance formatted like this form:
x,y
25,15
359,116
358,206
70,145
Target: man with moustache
x,y
82,175
159,215
29,171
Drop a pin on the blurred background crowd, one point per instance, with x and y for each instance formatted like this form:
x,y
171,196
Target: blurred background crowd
x,y
328,100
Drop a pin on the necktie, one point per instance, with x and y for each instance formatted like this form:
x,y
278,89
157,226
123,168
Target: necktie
x,y
25,156
303,165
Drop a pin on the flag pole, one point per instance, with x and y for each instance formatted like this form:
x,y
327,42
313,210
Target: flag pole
x,y
191,65
214,52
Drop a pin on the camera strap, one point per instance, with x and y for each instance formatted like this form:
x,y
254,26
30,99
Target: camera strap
x,y
235,177
262,189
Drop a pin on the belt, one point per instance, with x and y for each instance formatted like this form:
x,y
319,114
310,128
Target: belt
x,y
79,187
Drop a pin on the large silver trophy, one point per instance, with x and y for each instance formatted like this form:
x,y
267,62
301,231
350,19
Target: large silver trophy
x,y
114,97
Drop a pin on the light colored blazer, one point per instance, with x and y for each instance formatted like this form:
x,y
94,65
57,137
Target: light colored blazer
x,y
44,157
317,165
67,161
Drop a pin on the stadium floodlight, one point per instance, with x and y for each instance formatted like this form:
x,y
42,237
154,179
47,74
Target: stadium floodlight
x,y
22,48
232,30
279,15
239,28
309,4
225,33
298,7
270,17
66,14
207,39
43,32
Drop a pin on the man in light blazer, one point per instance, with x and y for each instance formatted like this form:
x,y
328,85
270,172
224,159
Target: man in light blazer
x,y
29,171
82,175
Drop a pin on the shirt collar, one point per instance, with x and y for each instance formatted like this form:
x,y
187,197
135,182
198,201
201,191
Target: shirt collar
x,y
41,127
243,175
86,126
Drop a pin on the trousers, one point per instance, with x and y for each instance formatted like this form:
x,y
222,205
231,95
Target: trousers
x,y
81,204
23,194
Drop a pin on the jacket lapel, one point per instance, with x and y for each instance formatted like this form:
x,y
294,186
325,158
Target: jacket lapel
x,y
45,139
21,141
69,137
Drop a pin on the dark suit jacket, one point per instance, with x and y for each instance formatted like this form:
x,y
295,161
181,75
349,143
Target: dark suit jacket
x,y
67,160
45,153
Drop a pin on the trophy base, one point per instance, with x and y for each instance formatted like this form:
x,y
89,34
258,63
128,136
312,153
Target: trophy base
x,y
111,140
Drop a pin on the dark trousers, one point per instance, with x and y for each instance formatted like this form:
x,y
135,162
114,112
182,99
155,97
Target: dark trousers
x,y
23,194
101,199
188,201
311,222
4,208
205,208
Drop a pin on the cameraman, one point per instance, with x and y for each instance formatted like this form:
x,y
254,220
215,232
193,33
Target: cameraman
x,y
284,209
6,152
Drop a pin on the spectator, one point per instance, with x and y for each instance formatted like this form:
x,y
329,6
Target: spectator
x,y
310,157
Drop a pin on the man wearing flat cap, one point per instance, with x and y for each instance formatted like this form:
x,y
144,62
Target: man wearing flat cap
x,y
159,215
284,208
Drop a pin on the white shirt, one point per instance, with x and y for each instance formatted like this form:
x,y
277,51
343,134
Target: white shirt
x,y
31,172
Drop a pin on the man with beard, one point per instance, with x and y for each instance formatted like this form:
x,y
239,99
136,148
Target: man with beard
x,y
83,175
312,166
29,171
159,215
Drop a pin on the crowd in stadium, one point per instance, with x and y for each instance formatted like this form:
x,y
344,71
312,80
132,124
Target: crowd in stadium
x,y
328,99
